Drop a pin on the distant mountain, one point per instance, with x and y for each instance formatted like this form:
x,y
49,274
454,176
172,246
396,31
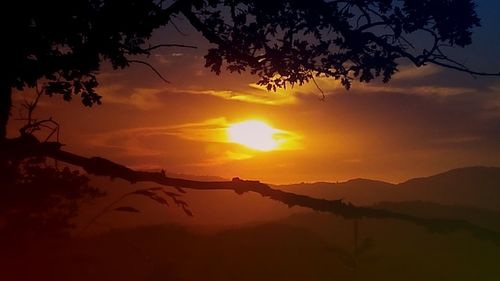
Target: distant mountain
x,y
472,186
357,191
477,187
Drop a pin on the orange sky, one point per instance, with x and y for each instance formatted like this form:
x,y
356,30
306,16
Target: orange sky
x,y
424,121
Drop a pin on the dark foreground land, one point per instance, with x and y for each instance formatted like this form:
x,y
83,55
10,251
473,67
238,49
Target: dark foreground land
x,y
305,246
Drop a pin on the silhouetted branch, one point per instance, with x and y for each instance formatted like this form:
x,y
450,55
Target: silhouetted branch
x,y
139,50
434,56
167,46
150,67
177,28
31,106
461,68
212,36
33,126
28,146
152,193
318,87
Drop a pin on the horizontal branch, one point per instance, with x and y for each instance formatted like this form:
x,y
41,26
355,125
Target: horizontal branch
x,y
149,49
28,146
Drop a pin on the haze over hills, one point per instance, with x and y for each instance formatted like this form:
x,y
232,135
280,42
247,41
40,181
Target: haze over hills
x,y
471,186
265,240
256,238
476,187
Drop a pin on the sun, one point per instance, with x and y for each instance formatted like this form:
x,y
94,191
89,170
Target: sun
x,y
253,134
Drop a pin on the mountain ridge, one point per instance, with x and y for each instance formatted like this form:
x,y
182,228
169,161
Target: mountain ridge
x,y
477,186
470,187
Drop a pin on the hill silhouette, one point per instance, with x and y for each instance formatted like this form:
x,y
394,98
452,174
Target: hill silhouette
x,y
470,186
473,186
290,244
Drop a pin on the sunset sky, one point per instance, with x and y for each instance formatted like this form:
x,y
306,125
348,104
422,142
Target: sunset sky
x,y
422,122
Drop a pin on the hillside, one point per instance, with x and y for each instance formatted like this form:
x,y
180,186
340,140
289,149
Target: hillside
x,y
472,186
475,187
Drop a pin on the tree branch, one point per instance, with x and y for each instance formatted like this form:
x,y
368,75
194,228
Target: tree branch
x,y
167,46
150,67
28,146
461,68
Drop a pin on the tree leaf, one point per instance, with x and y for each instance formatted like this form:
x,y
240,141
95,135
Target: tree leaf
x,y
127,209
146,192
160,200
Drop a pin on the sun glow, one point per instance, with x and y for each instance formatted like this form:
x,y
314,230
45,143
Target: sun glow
x,y
254,134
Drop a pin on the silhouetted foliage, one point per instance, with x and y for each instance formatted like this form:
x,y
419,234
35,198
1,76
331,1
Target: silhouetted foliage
x,y
293,41
42,199
63,43
126,209
158,194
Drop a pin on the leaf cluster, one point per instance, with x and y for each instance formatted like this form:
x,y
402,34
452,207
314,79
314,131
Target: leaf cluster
x,y
283,42
158,195
64,43
292,41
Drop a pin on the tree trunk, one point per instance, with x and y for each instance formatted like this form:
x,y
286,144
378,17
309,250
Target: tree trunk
x,y
5,106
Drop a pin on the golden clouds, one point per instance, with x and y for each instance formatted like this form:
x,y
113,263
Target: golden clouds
x,y
141,98
257,96
212,134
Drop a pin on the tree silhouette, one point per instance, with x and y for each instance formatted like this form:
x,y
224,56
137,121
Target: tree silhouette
x,y
61,45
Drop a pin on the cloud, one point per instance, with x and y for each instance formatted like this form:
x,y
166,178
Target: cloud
x,y
410,72
457,140
331,87
238,155
211,130
252,95
492,108
417,90
221,159
141,98
162,59
410,79
405,81
257,94
144,141
207,131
